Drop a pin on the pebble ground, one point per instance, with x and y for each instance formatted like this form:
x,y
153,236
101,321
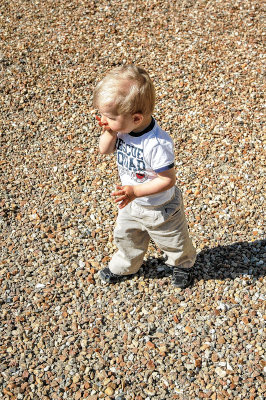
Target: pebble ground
x,y
63,335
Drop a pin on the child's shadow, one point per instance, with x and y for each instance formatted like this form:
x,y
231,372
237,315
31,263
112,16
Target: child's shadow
x,y
228,262
221,262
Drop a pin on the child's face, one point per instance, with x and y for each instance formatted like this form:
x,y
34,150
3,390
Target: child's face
x,y
118,123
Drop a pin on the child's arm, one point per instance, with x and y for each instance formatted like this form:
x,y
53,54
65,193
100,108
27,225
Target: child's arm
x,y
164,181
107,139
107,142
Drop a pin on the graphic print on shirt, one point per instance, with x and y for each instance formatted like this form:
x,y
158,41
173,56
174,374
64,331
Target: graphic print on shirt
x,y
130,161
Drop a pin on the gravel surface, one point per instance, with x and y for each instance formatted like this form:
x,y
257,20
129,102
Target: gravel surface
x,y
63,335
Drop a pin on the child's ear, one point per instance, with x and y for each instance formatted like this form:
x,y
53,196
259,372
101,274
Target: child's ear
x,y
137,118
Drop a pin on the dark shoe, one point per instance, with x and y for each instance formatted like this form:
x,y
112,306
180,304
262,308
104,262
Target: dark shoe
x,y
182,277
108,277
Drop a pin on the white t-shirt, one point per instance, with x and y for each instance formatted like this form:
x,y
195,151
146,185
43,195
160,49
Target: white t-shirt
x,y
140,156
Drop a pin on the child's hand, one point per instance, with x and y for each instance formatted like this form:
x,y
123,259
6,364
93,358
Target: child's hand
x,y
125,194
103,125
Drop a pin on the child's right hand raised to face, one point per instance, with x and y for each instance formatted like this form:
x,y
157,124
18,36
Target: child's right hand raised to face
x,y
103,125
107,139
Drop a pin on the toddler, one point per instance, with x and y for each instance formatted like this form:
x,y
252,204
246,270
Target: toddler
x,y
150,205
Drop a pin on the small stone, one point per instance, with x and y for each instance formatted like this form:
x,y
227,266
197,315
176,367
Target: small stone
x,y
76,378
198,363
221,340
109,391
219,371
150,365
40,286
150,345
78,395
188,329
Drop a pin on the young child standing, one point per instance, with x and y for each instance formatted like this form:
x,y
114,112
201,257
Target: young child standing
x,y
150,205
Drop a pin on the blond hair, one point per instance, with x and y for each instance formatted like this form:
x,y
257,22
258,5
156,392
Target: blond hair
x,y
126,90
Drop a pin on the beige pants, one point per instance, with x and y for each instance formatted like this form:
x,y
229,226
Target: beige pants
x,y
165,224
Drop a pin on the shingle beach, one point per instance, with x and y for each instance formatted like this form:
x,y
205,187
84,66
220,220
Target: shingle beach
x,y
64,335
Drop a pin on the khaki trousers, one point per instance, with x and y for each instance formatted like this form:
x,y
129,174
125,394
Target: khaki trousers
x,y
165,224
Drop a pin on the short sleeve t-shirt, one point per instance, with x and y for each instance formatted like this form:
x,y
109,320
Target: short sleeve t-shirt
x,y
140,156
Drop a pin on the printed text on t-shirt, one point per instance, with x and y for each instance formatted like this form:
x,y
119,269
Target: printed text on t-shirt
x,y
129,156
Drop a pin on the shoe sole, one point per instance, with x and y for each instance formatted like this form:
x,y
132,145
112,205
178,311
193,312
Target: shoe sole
x,y
114,280
104,279
189,283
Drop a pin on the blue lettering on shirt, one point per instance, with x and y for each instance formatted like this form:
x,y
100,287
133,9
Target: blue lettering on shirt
x,y
130,157
129,149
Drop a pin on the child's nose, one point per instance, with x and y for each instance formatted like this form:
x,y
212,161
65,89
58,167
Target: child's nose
x,y
103,120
